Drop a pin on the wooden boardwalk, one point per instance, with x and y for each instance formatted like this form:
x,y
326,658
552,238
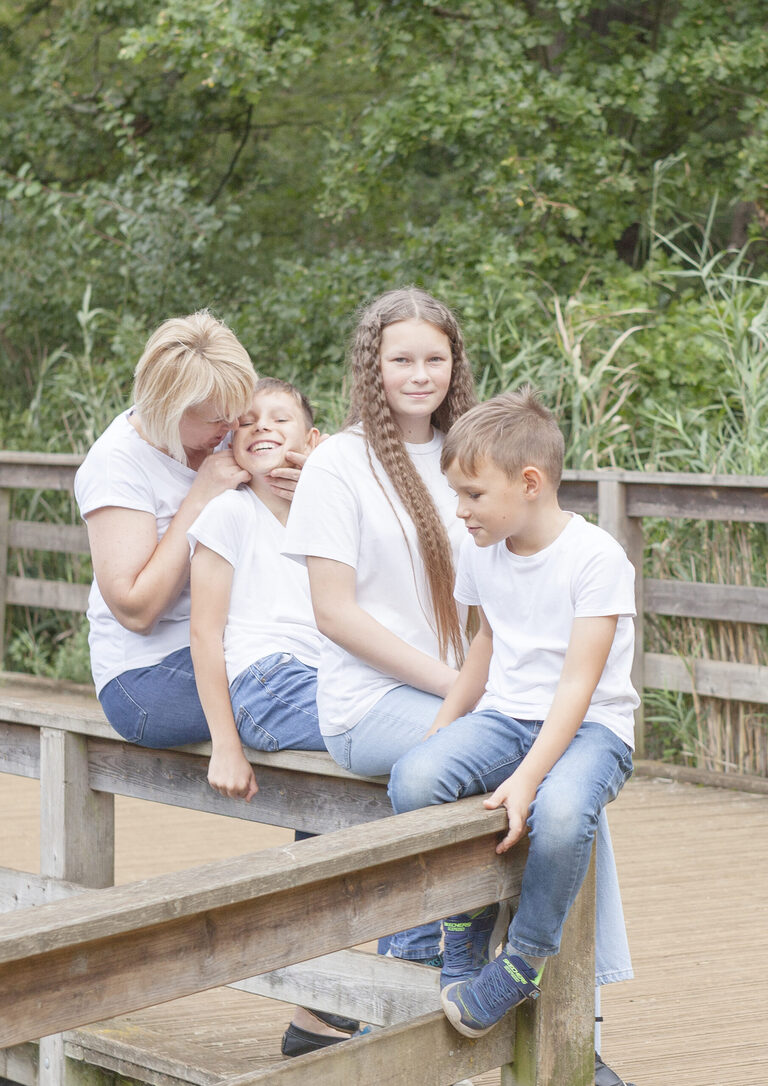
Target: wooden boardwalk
x,y
693,864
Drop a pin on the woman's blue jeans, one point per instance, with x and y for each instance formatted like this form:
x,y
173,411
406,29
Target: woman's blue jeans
x,y
474,755
157,706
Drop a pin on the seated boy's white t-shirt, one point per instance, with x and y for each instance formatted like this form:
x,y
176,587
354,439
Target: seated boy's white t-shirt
x,y
530,603
123,470
270,609
340,511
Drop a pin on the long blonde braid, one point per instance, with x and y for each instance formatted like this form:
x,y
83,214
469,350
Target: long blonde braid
x,y
369,406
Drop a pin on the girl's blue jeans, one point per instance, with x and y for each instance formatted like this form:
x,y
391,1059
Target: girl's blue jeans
x,y
273,702
475,754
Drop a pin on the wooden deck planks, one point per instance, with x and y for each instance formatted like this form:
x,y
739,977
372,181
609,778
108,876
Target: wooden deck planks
x,y
693,864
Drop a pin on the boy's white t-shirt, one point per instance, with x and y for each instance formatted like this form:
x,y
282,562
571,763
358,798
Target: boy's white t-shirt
x,y
340,511
270,609
122,469
530,603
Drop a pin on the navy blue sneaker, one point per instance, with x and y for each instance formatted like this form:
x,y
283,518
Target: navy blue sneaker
x,y
467,947
475,1006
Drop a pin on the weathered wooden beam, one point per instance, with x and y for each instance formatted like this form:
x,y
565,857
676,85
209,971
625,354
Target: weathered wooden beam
x,y
378,990
39,536
738,782
306,801
22,889
41,703
555,1035
111,951
19,750
38,471
694,599
77,824
688,500
614,518
428,1043
711,678
59,595
578,496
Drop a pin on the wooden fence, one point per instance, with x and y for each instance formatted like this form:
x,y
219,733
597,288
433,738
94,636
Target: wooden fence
x,y
620,500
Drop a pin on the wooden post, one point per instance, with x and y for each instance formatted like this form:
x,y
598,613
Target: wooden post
x,y
5,533
77,843
554,1043
612,516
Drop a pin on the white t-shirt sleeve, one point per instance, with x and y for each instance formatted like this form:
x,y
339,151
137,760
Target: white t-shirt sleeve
x,y
605,583
465,589
221,526
111,476
324,519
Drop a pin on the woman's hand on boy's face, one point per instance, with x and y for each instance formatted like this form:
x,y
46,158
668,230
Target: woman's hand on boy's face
x,y
516,796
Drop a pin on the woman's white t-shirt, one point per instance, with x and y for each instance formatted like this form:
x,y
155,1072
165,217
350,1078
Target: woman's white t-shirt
x,y
270,609
340,511
123,470
530,603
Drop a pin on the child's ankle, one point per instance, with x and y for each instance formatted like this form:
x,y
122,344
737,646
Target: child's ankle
x,y
535,961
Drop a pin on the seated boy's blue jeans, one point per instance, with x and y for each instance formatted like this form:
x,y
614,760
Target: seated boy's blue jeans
x,y
475,754
273,702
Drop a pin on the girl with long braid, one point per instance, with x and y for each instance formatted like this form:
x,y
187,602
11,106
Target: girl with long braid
x,y
375,521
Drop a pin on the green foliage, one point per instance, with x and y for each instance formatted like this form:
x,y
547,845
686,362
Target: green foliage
x,y
587,183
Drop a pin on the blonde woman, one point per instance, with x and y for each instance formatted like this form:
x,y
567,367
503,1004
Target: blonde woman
x,y
141,486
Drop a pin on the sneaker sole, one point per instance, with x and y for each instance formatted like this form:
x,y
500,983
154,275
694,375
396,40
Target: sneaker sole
x,y
453,1014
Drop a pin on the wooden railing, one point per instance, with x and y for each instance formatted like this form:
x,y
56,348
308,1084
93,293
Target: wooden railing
x,y
620,500
84,954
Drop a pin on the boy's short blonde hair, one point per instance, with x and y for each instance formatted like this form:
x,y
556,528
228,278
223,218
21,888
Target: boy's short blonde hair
x,y
512,430
189,361
275,384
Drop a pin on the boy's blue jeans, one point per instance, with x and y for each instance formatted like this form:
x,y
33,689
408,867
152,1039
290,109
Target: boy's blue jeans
x,y
273,701
475,754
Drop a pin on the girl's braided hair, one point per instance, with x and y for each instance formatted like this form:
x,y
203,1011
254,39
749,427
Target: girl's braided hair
x,y
369,406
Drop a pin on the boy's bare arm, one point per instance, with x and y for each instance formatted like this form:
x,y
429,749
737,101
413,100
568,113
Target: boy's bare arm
x,y
588,648
470,685
229,771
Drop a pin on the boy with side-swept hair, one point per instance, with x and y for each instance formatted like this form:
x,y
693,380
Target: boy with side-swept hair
x,y
541,715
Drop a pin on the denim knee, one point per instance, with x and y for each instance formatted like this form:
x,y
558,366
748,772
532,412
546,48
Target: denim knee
x,y
413,782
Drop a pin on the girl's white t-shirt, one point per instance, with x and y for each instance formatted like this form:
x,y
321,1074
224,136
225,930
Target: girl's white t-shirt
x,y
270,609
530,603
122,469
340,511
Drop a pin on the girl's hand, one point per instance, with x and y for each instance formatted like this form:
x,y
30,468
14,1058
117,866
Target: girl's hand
x,y
283,481
437,726
217,473
232,775
517,797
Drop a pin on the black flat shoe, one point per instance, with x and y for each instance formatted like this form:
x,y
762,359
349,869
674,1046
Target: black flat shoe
x,y
604,1076
298,1041
336,1021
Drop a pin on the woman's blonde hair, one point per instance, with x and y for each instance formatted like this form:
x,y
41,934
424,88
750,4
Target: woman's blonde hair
x,y
186,362
369,406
